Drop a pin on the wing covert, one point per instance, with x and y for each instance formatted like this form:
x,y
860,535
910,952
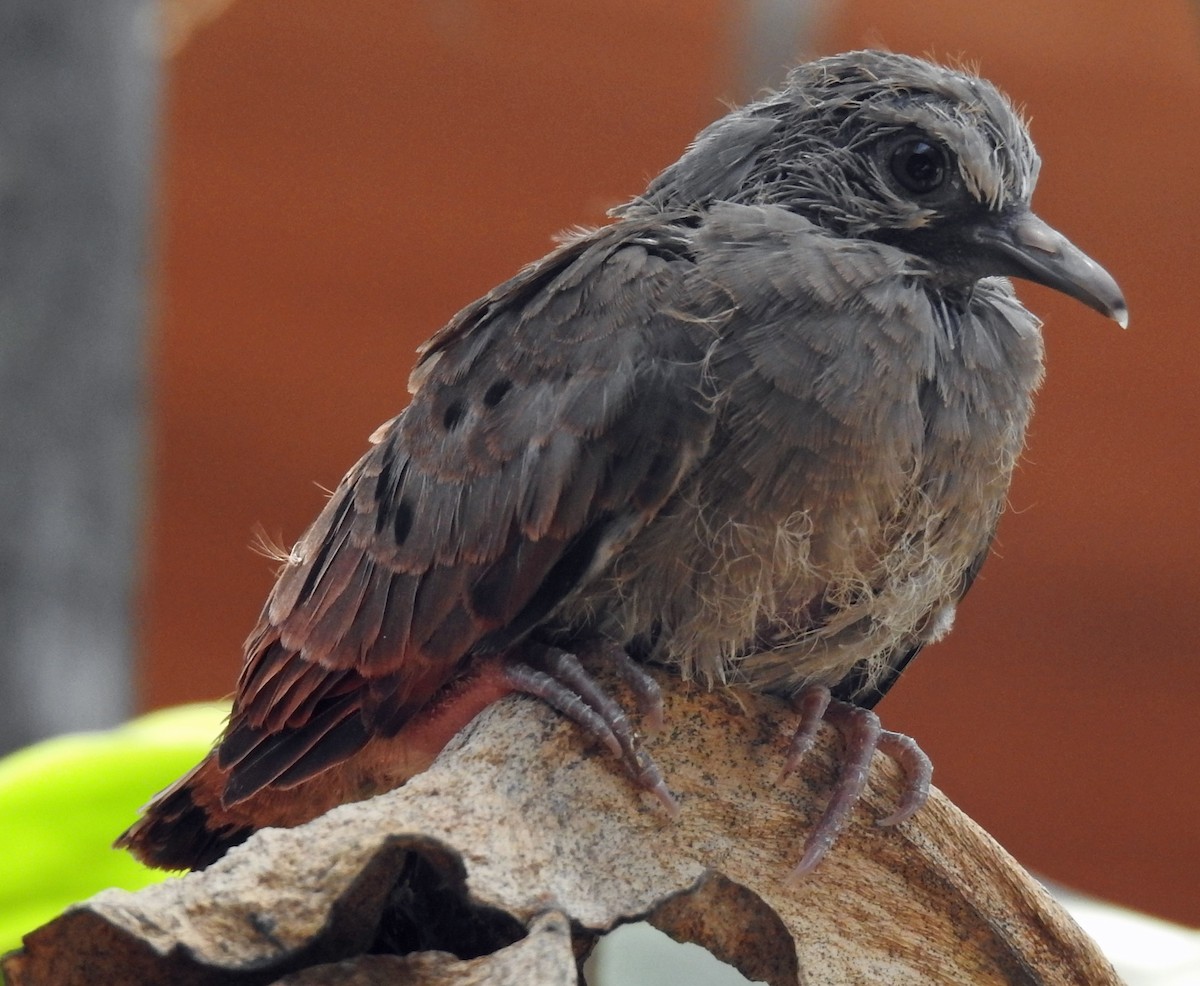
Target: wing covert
x,y
549,422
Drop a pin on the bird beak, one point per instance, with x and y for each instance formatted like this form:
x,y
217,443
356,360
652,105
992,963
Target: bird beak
x,y
1021,245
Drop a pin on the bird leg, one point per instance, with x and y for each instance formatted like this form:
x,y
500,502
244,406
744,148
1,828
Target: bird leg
x,y
861,735
558,678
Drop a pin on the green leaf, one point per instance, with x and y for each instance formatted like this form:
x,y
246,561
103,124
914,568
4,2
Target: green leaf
x,y
64,800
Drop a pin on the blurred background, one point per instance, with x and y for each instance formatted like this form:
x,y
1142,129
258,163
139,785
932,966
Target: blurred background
x,y
227,224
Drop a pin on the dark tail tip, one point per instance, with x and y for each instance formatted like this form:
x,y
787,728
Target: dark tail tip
x,y
176,833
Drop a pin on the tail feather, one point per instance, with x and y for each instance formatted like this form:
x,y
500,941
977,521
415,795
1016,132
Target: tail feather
x,y
179,829
211,809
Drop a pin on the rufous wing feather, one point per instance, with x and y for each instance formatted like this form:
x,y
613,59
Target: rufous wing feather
x,y
519,466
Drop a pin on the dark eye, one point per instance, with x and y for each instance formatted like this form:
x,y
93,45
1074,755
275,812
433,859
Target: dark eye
x,y
919,165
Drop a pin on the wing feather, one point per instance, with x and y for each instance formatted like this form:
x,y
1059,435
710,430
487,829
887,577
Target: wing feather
x,y
549,422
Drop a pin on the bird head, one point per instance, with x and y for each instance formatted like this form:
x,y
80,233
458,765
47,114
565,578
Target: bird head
x,y
888,147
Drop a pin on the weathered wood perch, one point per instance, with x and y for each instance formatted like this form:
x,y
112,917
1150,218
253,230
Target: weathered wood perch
x,y
506,860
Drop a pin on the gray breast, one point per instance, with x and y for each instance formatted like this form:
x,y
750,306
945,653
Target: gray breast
x,y
867,432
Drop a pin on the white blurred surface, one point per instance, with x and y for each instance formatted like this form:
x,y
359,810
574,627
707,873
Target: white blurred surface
x,y
1145,950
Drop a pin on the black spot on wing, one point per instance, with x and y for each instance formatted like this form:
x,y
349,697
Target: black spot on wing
x,y
453,414
402,521
496,392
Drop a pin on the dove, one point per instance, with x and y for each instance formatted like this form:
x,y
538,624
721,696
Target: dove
x,y
757,430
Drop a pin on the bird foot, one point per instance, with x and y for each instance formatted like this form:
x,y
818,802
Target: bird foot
x,y
861,735
559,679
644,686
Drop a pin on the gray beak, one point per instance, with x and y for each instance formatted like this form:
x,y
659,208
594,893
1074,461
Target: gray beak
x,y
1021,245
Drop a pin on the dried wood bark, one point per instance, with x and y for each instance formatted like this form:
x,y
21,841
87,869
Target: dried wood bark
x,y
508,858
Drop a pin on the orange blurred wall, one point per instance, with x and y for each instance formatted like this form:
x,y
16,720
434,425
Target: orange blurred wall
x,y
339,179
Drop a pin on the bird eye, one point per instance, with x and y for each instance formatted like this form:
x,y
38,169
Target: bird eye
x,y
919,165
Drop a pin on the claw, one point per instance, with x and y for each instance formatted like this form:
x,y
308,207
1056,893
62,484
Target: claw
x,y
649,778
918,771
811,703
565,685
861,736
643,685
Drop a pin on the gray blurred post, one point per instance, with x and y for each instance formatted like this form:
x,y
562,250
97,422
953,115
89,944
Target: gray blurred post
x,y
78,122
774,36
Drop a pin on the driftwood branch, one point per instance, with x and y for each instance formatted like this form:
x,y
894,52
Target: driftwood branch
x,y
507,859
